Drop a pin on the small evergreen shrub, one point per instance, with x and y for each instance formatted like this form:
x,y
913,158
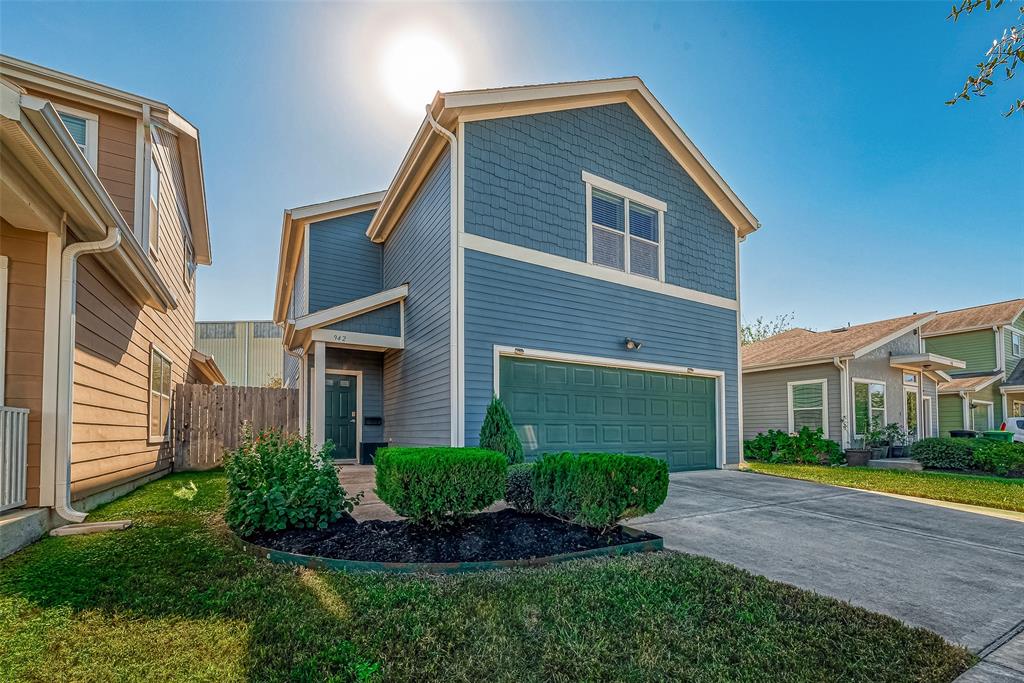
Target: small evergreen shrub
x,y
519,486
999,457
808,446
498,434
944,453
434,485
599,490
276,481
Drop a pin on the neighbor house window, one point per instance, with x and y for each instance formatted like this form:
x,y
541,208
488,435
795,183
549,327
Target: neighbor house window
x,y
190,264
83,128
868,406
808,405
625,229
154,207
1015,343
159,394
1017,409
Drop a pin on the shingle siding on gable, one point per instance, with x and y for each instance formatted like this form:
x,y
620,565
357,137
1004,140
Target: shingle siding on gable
x,y
417,383
510,303
344,264
385,320
523,185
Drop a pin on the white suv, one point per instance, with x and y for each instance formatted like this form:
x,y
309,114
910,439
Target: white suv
x,y
1015,425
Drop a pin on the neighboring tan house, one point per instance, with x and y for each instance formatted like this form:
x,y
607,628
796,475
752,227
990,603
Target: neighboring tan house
x,y
247,351
990,338
844,381
103,225
564,246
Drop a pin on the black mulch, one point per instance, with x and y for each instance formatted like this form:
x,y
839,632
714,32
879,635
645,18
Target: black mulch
x,y
503,535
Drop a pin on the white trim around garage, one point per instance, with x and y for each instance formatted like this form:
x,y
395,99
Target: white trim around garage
x,y
540,354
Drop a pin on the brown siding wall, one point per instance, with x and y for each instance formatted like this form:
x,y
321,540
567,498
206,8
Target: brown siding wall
x,y
113,339
26,294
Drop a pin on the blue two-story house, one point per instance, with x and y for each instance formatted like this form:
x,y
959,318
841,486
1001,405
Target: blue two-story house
x,y
565,247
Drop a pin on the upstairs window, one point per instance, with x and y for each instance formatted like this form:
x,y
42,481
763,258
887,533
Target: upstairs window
x,y
83,128
154,207
807,406
1015,343
625,229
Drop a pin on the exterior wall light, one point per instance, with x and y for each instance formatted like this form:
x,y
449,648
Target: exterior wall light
x,y
633,344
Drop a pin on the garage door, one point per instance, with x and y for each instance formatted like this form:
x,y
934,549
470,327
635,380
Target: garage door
x,y
558,406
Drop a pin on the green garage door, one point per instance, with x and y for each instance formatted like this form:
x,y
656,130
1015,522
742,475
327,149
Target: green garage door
x,y
559,406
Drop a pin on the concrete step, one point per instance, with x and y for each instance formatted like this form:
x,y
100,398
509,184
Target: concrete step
x,y
896,464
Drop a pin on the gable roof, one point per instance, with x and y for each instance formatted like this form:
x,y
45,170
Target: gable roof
x,y
1016,376
804,347
448,109
970,382
975,318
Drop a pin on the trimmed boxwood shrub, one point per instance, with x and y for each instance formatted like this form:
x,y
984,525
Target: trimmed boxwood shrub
x,y
433,485
519,486
599,489
808,446
277,482
944,453
1000,457
498,434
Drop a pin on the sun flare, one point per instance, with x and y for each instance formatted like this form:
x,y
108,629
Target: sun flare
x,y
414,65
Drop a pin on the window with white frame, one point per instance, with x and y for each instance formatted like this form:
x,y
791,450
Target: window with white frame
x,y
84,130
808,405
625,229
868,406
154,206
159,394
1015,343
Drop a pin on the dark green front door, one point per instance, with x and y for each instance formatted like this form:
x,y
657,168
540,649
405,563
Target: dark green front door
x,y
340,415
559,406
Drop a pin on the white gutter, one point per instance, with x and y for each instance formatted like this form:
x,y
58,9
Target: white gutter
x,y
966,405
457,435
66,365
844,399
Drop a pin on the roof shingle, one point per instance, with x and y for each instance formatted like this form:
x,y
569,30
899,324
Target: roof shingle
x,y
976,317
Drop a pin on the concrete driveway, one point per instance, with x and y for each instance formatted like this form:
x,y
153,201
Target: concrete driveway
x,y
959,574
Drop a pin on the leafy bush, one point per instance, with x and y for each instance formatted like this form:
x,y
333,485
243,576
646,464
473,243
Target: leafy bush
x,y
1000,457
944,453
432,485
276,482
519,486
599,490
806,447
498,434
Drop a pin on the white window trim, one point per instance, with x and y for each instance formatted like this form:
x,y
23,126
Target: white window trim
x,y
154,209
189,278
912,389
92,132
660,207
885,402
991,413
926,413
150,437
824,403
1016,342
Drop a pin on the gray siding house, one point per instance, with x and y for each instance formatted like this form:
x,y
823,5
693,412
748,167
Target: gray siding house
x,y
844,381
565,247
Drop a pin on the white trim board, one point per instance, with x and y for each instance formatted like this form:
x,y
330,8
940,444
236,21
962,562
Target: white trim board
x,y
335,314
540,354
568,265
357,339
623,191
3,325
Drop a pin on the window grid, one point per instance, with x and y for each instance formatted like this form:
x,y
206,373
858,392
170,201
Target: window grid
x,y
808,405
608,226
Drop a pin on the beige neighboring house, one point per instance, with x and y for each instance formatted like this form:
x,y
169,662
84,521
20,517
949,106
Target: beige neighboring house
x,y
845,380
103,225
247,351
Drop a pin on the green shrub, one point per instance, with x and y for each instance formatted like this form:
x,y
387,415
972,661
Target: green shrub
x,y
276,482
519,486
498,434
599,490
432,485
808,446
944,453
1000,457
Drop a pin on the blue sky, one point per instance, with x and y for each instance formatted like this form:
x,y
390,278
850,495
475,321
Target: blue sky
x,y
827,119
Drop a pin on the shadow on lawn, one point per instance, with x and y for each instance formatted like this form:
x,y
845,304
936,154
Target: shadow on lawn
x,y
177,566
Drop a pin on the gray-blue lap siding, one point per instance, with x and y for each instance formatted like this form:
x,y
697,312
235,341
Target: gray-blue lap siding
x,y
386,321
344,264
510,303
523,185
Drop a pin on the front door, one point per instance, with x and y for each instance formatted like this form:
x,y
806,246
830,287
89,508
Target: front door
x,y
340,415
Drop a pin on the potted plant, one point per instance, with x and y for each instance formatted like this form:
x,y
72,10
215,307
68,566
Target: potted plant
x,y
858,454
877,442
897,438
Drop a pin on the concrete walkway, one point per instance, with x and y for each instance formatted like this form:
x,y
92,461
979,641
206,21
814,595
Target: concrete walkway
x,y
953,572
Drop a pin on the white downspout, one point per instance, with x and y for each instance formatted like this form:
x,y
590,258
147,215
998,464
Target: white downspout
x,y
66,366
457,438
844,400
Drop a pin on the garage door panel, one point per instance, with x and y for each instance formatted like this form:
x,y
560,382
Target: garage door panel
x,y
568,406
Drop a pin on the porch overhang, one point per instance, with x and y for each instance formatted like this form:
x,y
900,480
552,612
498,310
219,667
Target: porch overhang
x,y
315,327
932,362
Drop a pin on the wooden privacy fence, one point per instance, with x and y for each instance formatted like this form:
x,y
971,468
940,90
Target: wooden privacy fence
x,y
207,420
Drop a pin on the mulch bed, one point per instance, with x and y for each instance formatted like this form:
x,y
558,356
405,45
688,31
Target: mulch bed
x,y
489,536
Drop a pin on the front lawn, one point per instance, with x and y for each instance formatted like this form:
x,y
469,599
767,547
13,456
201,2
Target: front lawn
x,y
171,599
993,492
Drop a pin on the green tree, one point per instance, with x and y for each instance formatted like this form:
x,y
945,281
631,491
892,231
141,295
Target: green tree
x,y
1005,54
763,328
498,434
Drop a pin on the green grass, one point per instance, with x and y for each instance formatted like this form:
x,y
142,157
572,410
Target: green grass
x,y
993,492
171,599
